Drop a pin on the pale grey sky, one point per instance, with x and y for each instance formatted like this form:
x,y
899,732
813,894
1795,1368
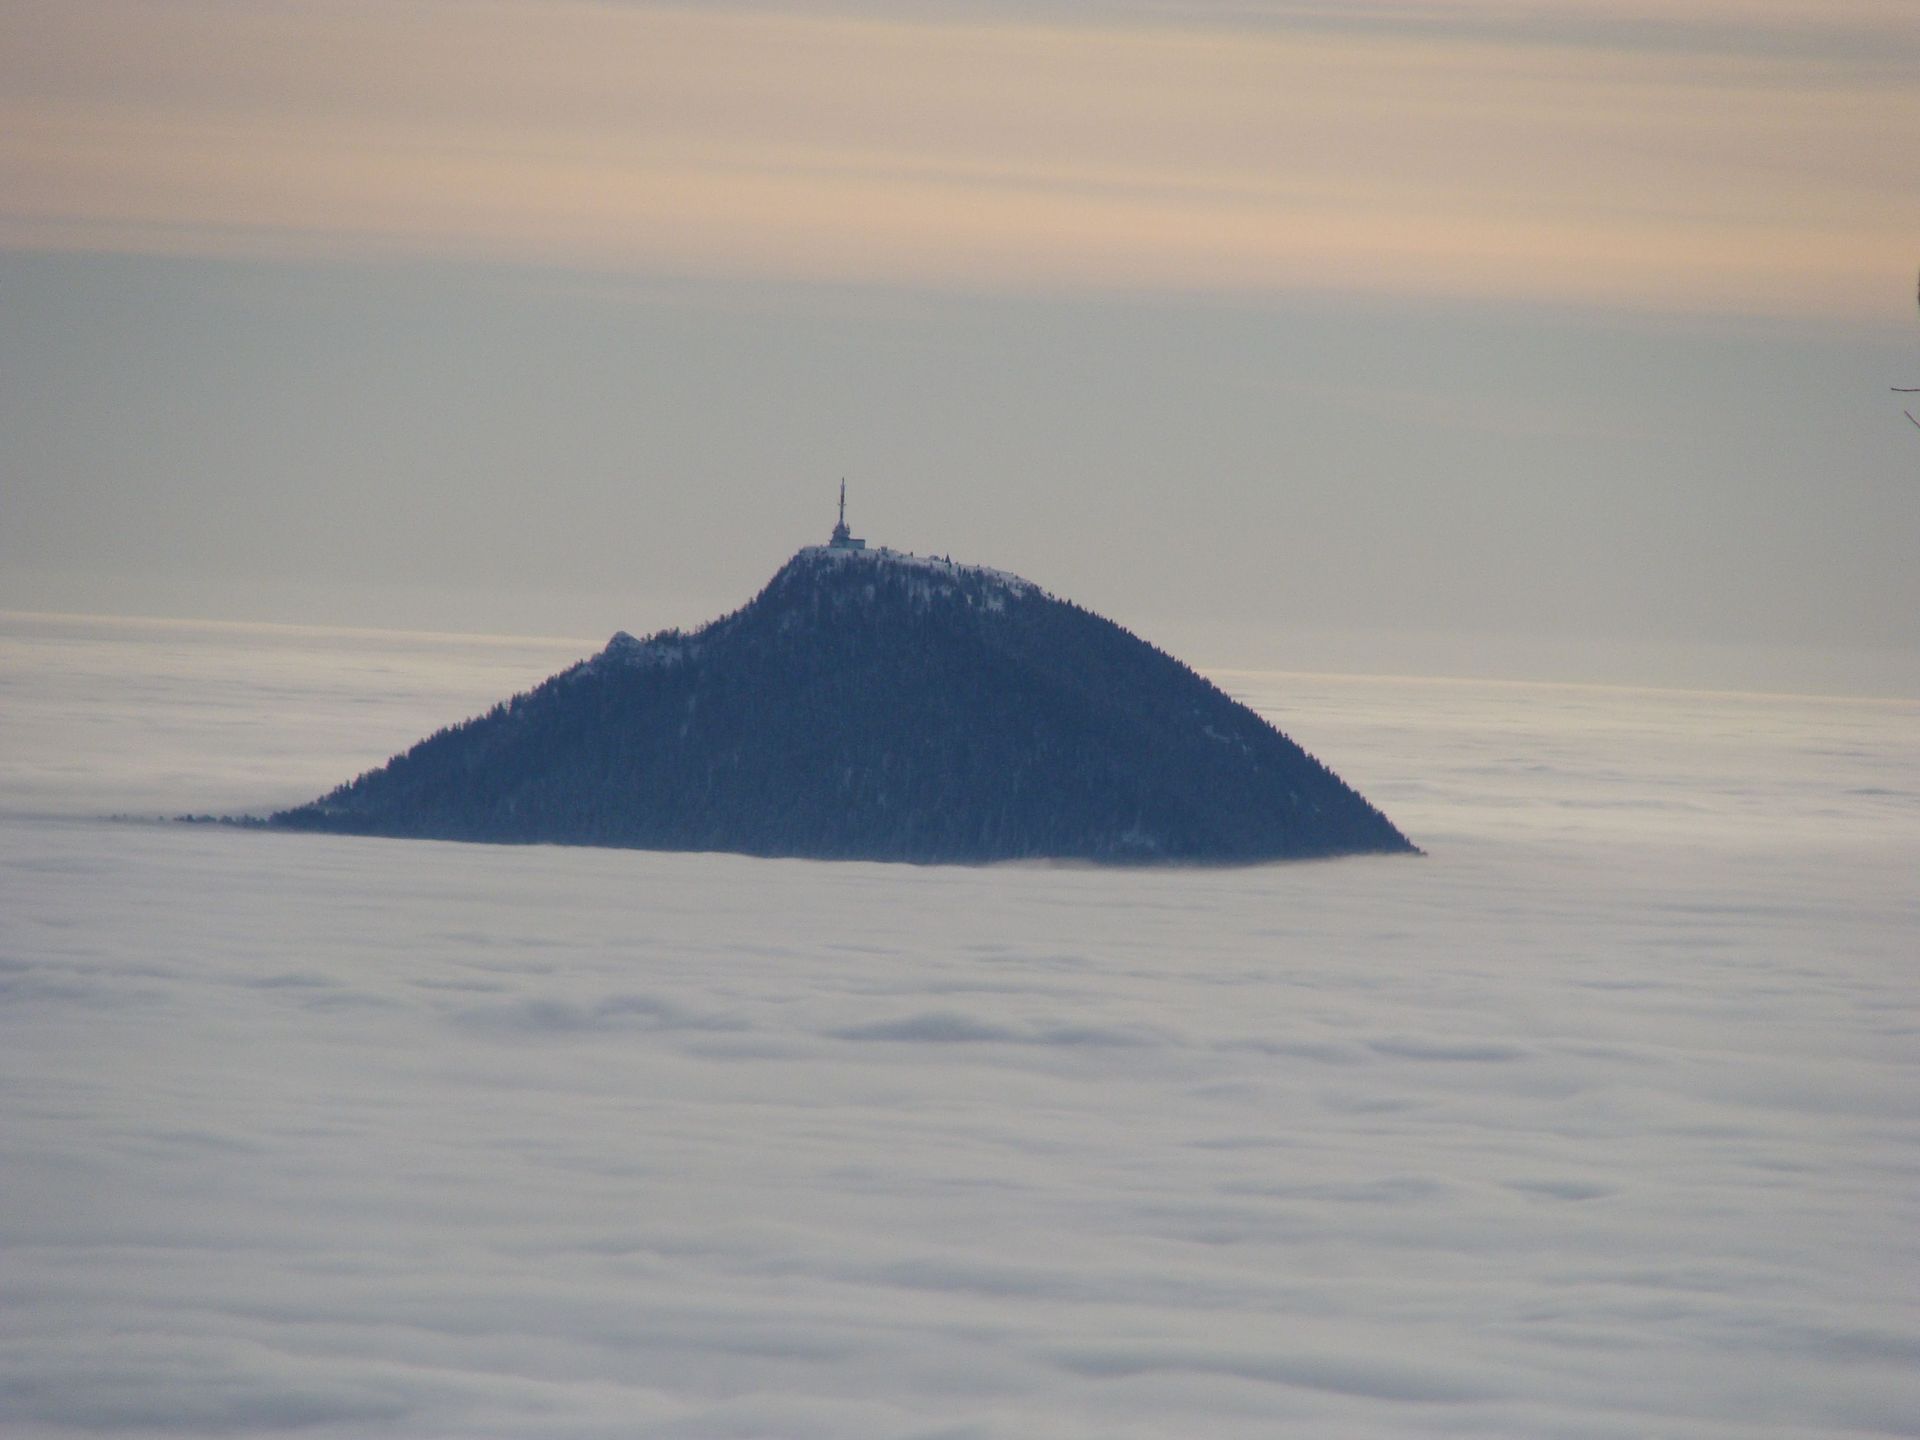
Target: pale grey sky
x,y
1467,337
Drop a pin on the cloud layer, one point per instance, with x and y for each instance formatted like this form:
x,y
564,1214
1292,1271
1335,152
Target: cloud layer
x,y
1596,1122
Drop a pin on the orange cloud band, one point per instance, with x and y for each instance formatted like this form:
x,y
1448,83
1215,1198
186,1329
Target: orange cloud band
x,y
650,140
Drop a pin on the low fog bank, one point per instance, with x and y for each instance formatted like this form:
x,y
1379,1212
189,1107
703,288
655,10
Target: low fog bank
x,y
1596,1122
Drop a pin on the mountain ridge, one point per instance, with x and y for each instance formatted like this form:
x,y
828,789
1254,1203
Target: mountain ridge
x,y
872,704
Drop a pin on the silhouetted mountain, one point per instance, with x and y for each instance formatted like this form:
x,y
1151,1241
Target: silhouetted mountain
x,y
879,706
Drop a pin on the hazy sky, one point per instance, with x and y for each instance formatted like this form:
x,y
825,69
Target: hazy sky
x,y
1437,334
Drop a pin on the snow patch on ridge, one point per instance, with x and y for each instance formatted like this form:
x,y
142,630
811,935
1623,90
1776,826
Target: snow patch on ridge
x,y
930,575
623,651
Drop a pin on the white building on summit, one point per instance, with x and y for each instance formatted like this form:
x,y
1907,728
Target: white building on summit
x,y
843,538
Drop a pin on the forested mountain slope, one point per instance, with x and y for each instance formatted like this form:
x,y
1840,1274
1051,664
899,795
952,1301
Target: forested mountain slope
x,y
873,705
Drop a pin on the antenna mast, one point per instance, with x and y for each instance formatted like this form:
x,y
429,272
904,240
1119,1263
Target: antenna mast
x,y
843,538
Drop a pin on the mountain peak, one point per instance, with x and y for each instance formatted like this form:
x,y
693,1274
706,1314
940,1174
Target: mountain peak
x,y
921,579
879,705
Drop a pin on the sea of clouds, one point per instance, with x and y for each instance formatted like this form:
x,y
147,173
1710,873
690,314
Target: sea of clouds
x,y
1599,1121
